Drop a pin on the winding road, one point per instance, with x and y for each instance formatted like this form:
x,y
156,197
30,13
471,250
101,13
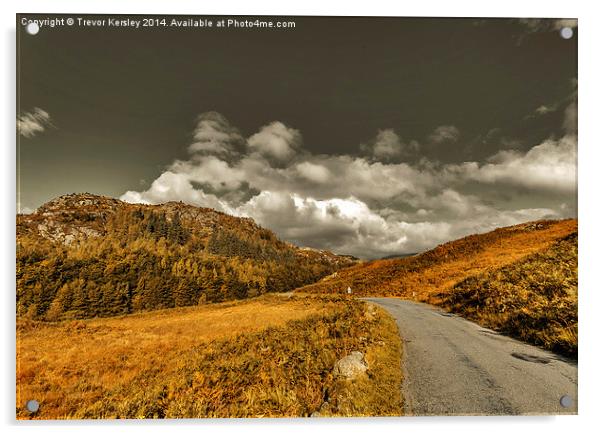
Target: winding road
x,y
455,367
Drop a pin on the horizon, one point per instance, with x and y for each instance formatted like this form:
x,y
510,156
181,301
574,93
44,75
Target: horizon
x,y
389,256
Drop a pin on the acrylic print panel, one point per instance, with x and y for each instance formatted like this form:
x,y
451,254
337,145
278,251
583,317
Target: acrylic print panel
x,y
295,216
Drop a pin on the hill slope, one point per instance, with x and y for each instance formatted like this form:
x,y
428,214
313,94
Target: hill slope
x,y
432,272
533,299
519,280
83,255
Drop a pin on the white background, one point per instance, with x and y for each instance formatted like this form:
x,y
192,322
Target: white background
x,y
590,258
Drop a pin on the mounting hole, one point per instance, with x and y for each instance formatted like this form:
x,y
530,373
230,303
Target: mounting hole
x,y
32,28
566,33
566,401
32,405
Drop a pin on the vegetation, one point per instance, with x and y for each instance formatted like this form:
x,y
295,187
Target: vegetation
x,y
83,256
520,280
272,356
534,299
420,277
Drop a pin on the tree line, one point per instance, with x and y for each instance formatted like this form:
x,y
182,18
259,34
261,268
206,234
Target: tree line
x,y
149,260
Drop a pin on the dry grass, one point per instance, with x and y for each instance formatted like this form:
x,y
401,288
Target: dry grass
x,y
420,277
271,356
534,299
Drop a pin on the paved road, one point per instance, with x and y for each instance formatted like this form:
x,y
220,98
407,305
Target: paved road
x,y
454,366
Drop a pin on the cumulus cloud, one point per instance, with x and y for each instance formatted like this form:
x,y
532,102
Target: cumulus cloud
x,y
276,141
445,133
550,166
314,172
369,206
31,123
213,134
387,145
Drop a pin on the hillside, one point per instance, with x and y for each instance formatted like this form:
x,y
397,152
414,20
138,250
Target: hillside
x,y
83,255
272,356
422,276
533,299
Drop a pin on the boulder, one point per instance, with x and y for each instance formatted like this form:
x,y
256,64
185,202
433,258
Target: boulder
x,y
351,366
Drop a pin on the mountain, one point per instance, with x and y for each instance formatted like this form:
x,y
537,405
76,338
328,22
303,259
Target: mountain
x,y
83,255
421,276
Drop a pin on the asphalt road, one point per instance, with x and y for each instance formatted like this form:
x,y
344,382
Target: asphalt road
x,y
452,366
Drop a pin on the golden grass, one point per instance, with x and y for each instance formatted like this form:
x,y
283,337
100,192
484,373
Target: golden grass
x,y
534,299
360,397
420,277
272,356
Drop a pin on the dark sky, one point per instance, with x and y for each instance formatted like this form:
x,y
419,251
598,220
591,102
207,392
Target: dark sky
x,y
123,104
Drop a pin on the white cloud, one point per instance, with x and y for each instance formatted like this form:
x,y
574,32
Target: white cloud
x,y
172,186
388,146
549,166
314,172
213,134
276,140
31,123
361,205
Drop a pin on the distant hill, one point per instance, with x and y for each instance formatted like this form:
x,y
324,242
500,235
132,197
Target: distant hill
x,y
421,276
399,255
83,255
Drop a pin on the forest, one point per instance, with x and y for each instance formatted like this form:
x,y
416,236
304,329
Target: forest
x,y
144,257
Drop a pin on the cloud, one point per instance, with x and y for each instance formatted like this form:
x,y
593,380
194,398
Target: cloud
x,y
445,133
372,205
387,146
213,134
31,123
170,186
314,172
276,141
544,109
549,166
570,118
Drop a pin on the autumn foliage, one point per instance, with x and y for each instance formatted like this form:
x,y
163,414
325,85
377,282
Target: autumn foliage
x,y
82,256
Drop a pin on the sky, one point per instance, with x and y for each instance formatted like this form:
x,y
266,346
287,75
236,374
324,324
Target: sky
x,y
364,136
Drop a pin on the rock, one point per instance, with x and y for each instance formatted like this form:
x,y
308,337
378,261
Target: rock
x,y
351,366
370,312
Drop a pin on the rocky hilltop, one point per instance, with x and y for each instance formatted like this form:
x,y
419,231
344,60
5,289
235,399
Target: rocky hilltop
x,y
83,255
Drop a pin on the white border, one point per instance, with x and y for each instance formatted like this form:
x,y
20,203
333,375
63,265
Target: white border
x,y
590,249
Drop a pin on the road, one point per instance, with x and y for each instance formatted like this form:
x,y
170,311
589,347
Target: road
x,y
452,366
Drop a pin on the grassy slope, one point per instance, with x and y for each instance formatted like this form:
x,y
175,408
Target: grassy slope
x,y
520,280
437,270
534,299
272,356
